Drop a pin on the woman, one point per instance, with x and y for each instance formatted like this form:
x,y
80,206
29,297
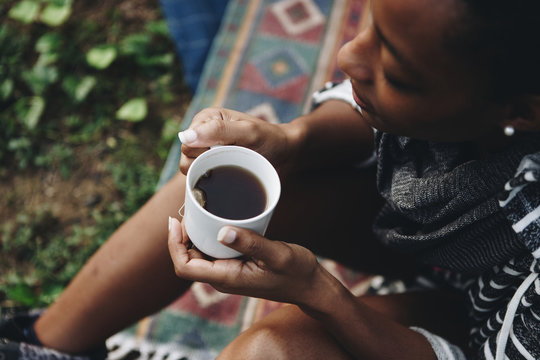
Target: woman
x,y
441,82
445,150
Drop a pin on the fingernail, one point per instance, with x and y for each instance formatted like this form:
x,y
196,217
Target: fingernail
x,y
187,136
226,235
170,223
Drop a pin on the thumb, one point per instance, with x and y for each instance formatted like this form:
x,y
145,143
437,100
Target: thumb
x,y
177,248
275,254
175,230
245,241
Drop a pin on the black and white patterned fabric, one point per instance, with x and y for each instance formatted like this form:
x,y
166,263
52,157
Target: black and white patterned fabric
x,y
504,301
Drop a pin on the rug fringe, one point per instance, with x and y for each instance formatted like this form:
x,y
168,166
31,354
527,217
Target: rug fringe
x,y
125,347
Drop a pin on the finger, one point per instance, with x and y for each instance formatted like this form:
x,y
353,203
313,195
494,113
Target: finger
x,y
189,154
185,238
180,254
194,253
218,126
185,164
191,151
177,246
275,254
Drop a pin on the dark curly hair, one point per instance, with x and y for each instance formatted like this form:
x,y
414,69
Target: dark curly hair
x,y
504,38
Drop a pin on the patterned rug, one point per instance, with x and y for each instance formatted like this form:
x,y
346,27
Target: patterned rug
x,y
267,59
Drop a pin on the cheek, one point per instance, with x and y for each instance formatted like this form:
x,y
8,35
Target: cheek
x,y
432,118
396,110
411,115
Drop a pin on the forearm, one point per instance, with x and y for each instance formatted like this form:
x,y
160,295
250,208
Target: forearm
x,y
332,135
364,332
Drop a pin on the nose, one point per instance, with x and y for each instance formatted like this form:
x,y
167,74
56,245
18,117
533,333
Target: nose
x,y
357,57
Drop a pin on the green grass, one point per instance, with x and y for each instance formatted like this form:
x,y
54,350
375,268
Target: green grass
x,y
73,90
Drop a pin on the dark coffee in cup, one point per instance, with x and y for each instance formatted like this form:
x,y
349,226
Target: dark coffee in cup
x,y
230,192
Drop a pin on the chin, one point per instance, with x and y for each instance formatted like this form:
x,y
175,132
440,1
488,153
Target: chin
x,y
372,120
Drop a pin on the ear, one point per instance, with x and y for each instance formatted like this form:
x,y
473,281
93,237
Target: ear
x,y
523,113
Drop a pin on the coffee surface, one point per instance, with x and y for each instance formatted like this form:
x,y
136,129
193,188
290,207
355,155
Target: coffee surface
x,y
231,192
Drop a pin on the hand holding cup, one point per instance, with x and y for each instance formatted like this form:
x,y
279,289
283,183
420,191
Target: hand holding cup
x,y
202,226
218,126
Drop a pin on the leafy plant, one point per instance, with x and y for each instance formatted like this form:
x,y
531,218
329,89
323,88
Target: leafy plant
x,y
70,87
134,110
26,11
101,56
56,13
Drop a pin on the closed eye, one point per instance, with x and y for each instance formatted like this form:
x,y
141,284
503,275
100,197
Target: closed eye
x,y
400,85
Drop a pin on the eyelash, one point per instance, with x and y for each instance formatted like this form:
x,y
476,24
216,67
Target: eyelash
x,y
397,84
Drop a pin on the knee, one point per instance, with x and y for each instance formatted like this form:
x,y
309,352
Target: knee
x,y
259,342
287,333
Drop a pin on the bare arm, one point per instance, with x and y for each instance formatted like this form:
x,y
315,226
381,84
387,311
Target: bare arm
x,y
290,273
364,332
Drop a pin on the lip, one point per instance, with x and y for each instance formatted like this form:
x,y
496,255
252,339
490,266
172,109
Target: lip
x,y
364,104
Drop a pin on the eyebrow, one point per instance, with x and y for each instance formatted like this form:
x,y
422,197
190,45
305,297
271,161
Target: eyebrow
x,y
397,54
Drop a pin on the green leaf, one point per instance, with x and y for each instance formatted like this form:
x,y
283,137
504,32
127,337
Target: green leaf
x,y
159,27
46,59
35,109
55,14
157,60
48,43
134,110
24,11
135,44
21,293
19,143
78,89
69,84
101,56
50,293
6,89
84,87
59,2
40,77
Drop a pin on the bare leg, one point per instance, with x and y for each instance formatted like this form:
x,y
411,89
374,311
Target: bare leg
x,y
129,277
132,276
288,333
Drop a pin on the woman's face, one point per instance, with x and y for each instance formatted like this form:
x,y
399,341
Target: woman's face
x,y
407,80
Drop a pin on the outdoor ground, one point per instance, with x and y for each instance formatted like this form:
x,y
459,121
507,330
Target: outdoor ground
x,y
91,97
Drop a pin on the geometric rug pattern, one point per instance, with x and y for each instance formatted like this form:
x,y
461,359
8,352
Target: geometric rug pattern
x,y
267,59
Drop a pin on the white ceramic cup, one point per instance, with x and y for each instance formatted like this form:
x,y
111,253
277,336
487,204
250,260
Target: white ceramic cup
x,y
202,226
